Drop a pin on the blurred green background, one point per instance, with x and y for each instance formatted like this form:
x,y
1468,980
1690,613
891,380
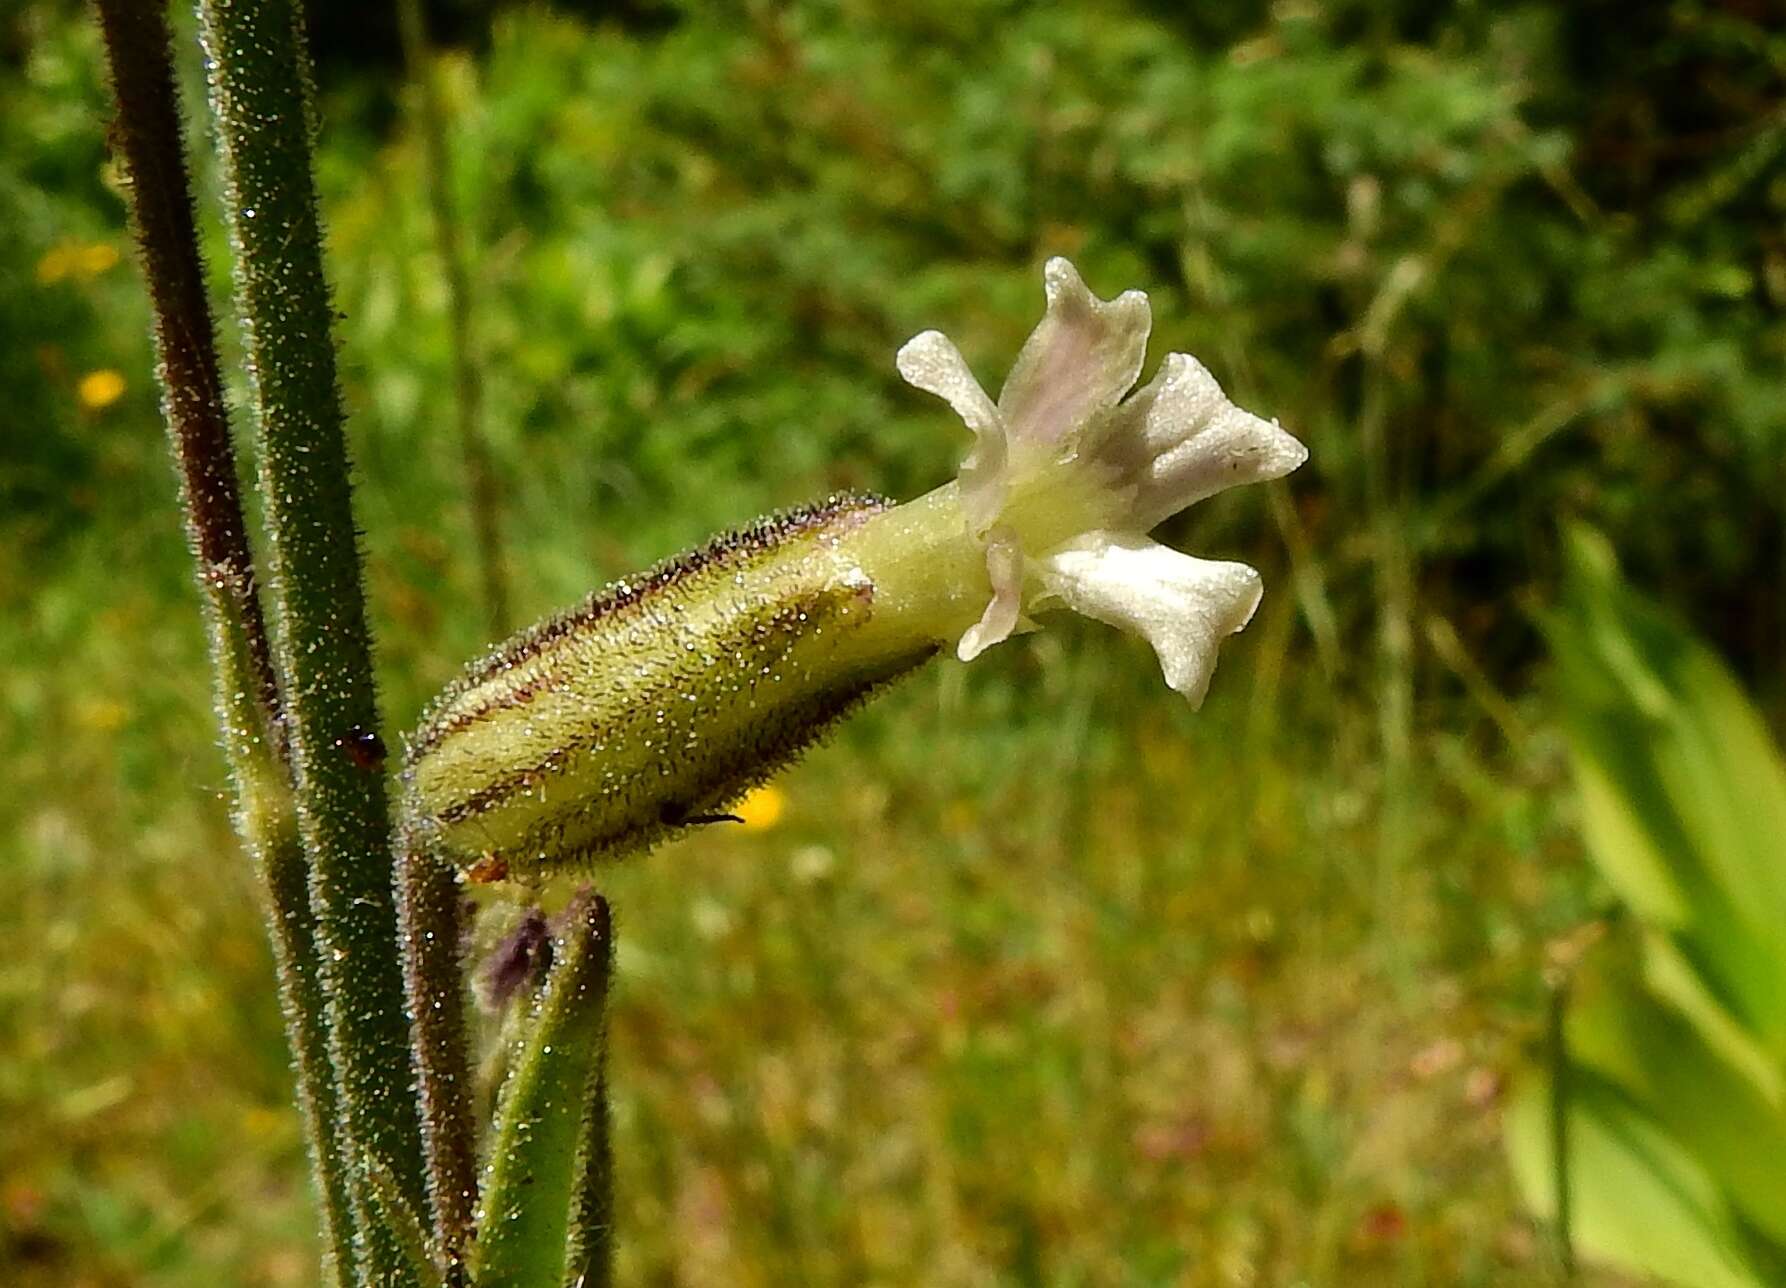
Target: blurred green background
x,y
1032,976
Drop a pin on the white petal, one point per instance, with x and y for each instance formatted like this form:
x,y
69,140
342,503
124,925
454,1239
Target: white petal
x,y
1179,440
1004,568
1235,447
931,362
1184,607
1080,360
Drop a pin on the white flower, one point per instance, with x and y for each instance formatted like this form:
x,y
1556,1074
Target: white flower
x,y
662,700
1066,478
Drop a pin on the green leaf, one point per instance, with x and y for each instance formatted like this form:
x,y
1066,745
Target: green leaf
x,y
590,1262
1673,981
1683,793
1713,1109
534,1182
1639,1201
1678,1031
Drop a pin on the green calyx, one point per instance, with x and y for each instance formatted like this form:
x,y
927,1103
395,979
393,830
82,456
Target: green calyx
x,y
929,567
659,701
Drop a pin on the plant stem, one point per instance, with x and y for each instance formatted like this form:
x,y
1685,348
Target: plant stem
x,y
480,474
1557,1051
285,875
1393,583
540,1177
260,96
429,906
149,131
247,695
430,921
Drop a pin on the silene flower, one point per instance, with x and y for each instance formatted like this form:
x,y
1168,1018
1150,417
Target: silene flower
x,y
666,697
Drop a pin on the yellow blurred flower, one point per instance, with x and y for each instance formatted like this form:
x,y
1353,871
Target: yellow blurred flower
x,y
762,809
100,389
77,260
98,258
56,264
260,1122
101,715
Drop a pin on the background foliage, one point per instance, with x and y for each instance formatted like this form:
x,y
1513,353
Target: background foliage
x,y
1675,1033
1033,977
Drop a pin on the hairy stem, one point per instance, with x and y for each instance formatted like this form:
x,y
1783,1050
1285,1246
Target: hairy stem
x,y
480,474
260,98
285,874
149,133
430,918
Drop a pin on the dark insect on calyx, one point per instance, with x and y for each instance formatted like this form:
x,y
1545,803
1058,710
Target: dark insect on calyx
x,y
363,747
